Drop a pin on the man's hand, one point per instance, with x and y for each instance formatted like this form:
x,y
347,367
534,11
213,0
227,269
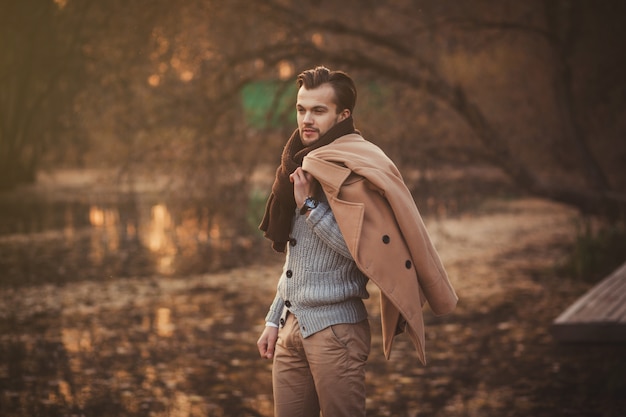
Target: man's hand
x,y
304,186
267,342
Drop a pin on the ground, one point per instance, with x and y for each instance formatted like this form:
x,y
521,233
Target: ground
x,y
185,345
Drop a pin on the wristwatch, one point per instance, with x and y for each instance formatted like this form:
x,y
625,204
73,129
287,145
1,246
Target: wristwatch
x,y
309,204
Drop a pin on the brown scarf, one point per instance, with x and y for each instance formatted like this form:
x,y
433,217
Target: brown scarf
x,y
281,205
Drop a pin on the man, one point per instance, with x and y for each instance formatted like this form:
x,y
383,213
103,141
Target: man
x,y
342,213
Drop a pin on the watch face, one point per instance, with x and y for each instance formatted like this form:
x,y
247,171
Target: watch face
x,y
309,204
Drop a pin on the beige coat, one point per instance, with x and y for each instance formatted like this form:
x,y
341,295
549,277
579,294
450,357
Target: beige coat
x,y
385,234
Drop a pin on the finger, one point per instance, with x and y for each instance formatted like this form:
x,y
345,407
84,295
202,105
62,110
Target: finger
x,y
262,346
295,175
271,340
269,353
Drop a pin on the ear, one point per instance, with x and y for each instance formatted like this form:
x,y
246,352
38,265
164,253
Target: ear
x,y
344,115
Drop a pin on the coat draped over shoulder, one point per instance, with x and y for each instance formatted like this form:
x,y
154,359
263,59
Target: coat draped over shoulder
x,y
385,234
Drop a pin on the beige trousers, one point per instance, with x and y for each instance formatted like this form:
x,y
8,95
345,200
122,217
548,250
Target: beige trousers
x,y
324,372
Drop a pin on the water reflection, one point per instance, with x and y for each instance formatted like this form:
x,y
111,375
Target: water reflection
x,y
159,238
107,241
57,242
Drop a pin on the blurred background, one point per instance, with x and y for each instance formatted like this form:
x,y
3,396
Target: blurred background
x,y
138,141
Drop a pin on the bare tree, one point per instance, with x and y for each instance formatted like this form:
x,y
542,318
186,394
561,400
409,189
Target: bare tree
x,y
408,44
158,85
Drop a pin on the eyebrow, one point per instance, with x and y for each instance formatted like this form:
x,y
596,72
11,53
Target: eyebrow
x,y
316,107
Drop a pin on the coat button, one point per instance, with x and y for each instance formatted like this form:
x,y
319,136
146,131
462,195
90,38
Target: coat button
x,y
289,273
282,322
408,264
292,242
386,239
287,303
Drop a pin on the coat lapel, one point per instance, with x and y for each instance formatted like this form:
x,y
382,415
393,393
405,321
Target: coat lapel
x,y
331,177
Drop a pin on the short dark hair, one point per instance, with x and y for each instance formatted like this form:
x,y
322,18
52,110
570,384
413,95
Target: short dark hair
x,y
342,84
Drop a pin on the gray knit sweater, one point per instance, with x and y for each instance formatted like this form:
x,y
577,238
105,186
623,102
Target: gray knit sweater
x,y
320,283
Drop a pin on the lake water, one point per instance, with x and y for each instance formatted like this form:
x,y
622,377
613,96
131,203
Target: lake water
x,y
58,241
56,238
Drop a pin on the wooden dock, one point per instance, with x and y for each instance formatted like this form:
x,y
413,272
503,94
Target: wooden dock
x,y
597,316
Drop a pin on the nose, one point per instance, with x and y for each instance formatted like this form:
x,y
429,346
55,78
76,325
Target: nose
x,y
308,118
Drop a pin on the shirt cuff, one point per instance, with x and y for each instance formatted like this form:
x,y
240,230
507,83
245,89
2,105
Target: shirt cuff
x,y
270,324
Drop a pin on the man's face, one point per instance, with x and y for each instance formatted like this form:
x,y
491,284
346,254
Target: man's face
x,y
317,112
